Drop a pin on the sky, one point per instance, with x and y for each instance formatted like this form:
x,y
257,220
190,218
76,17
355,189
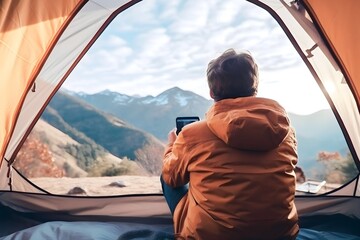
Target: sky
x,y
159,44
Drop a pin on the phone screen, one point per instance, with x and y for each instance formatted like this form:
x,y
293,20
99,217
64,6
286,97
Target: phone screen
x,y
182,121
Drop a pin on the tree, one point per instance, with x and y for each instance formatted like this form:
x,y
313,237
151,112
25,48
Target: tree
x,y
337,169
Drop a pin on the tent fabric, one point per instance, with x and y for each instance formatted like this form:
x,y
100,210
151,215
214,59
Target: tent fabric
x,y
42,41
136,205
153,205
336,19
351,188
125,231
93,231
82,28
300,29
83,25
27,38
37,225
68,31
325,205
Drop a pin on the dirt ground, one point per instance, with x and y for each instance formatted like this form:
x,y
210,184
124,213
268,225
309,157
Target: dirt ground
x,y
100,186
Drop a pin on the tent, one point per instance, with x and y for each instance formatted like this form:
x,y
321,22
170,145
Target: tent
x,y
42,41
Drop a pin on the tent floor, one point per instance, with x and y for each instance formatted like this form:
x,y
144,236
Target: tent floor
x,y
15,225
335,223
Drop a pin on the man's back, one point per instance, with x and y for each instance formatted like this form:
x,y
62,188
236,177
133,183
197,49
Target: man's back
x,y
239,163
240,188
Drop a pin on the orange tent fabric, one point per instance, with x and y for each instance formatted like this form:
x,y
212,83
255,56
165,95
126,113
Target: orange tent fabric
x,y
339,22
20,31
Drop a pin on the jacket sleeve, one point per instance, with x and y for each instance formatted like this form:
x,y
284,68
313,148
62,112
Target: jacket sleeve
x,y
175,163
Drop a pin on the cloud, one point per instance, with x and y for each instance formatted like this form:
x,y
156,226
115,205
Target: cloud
x,y
225,13
136,16
191,17
179,38
157,44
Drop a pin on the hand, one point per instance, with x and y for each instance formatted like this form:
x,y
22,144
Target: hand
x,y
172,136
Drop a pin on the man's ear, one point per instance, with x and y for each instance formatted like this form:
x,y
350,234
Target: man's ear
x,y
212,94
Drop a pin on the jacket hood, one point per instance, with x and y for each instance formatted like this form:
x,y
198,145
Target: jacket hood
x,y
249,123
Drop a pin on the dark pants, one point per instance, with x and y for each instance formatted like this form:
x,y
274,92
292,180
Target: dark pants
x,y
173,195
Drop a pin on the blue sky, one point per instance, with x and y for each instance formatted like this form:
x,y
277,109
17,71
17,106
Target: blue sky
x,y
159,44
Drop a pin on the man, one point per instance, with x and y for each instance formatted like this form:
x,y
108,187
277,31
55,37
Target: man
x,y
238,163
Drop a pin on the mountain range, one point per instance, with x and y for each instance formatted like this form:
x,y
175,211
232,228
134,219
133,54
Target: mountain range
x,y
113,128
156,115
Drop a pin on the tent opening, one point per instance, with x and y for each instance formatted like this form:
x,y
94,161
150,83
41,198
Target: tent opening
x,y
104,132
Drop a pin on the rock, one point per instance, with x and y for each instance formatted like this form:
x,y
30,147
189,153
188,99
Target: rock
x,y
120,184
77,191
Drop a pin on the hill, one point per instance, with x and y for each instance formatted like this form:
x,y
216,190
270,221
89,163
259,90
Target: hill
x,y
46,153
100,131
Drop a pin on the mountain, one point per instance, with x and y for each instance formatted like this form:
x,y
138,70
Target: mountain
x,y
316,132
102,132
155,115
109,133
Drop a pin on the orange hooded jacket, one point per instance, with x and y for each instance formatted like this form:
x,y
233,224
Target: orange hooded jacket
x,y
240,165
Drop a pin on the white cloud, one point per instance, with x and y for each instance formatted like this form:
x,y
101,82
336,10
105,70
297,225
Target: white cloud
x,y
115,41
191,18
141,13
168,9
153,44
157,44
225,12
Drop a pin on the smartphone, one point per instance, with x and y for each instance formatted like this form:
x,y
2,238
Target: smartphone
x,y
182,121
